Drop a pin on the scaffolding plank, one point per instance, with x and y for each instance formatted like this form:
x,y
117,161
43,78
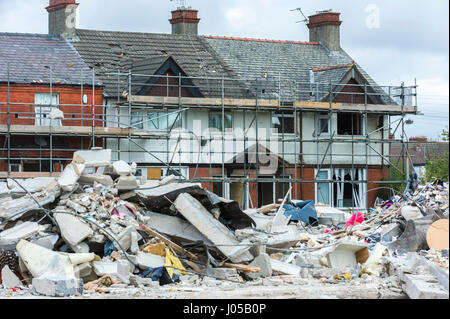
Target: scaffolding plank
x,y
187,101
76,130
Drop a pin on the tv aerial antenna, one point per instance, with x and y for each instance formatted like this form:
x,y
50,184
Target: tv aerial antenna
x,y
180,3
300,9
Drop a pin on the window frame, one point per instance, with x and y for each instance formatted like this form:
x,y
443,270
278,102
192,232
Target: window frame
x,y
220,114
280,115
326,117
42,110
166,116
361,124
331,185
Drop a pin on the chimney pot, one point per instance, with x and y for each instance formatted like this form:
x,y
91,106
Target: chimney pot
x,y
324,27
185,21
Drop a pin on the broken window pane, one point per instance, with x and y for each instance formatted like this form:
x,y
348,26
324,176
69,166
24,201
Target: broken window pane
x,y
349,124
283,122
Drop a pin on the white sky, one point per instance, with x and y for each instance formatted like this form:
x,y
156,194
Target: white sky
x,y
408,41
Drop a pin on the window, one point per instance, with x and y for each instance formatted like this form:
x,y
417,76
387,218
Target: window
x,y
283,122
341,193
215,121
15,166
323,189
137,120
323,124
44,103
350,124
163,121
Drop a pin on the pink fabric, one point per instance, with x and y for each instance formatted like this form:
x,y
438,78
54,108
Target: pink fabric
x,y
357,218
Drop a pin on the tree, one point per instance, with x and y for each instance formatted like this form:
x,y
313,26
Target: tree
x,y
444,135
437,168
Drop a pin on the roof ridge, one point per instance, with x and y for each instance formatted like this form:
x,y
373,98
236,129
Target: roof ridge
x,y
258,40
42,35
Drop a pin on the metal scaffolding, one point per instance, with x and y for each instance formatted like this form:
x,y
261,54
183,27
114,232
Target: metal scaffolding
x,y
255,98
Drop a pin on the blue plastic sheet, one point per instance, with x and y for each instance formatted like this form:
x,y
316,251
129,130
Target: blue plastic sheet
x,y
109,248
302,211
160,274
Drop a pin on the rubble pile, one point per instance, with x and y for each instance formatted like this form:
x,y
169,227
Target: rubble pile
x,y
99,229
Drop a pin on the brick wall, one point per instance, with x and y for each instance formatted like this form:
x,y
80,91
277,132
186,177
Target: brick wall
x,y
24,114
160,88
357,97
69,95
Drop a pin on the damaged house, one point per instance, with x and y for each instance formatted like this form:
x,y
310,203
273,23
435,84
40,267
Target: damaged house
x,y
250,119
46,94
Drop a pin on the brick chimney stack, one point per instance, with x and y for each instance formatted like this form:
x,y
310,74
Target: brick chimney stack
x,y
324,27
62,15
185,21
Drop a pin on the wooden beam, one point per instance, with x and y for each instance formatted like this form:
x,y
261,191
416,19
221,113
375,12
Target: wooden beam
x,y
245,268
168,242
217,102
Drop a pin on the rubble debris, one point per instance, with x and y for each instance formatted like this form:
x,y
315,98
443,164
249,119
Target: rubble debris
x,y
9,279
216,232
73,229
100,229
57,286
93,158
42,262
348,254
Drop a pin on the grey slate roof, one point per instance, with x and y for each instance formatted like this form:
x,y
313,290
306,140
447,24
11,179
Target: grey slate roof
x,y
30,55
290,61
114,52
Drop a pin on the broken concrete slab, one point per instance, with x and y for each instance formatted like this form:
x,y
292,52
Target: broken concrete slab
x,y
9,279
32,185
334,215
55,286
286,236
122,168
211,228
94,158
117,270
125,237
348,254
423,287
14,209
83,270
68,179
73,229
127,183
263,262
21,231
167,180
76,207
91,178
144,260
42,262
175,227
47,241
282,268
